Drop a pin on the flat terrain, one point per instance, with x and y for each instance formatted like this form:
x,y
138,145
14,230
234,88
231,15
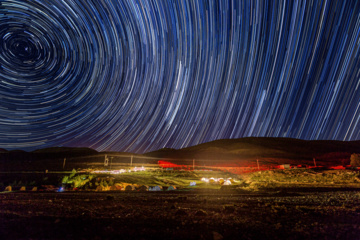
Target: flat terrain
x,y
296,213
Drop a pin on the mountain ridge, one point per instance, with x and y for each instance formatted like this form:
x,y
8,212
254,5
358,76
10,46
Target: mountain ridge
x,y
262,147
239,150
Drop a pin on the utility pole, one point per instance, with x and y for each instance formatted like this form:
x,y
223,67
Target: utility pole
x,y
257,160
193,164
131,160
106,161
314,162
64,163
110,162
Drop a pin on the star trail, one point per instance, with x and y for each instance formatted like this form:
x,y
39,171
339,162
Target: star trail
x,y
137,76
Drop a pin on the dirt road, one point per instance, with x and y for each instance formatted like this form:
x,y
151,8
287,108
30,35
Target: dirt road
x,y
205,214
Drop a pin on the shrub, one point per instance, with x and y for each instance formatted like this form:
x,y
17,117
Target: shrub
x,y
73,173
65,179
355,160
77,181
104,183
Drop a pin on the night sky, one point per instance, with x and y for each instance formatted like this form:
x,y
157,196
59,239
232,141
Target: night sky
x,y
136,76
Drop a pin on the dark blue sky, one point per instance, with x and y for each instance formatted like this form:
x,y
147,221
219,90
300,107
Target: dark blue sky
x,y
128,75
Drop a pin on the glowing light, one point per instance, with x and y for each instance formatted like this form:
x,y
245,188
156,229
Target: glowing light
x,y
141,169
205,180
109,171
220,181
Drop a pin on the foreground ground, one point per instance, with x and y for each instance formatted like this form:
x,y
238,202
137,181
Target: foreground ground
x,y
288,213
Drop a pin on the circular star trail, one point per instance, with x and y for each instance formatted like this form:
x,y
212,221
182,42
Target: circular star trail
x,y
137,76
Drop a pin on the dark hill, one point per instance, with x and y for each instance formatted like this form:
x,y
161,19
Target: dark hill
x,y
46,154
263,148
47,158
3,150
244,152
68,150
62,152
